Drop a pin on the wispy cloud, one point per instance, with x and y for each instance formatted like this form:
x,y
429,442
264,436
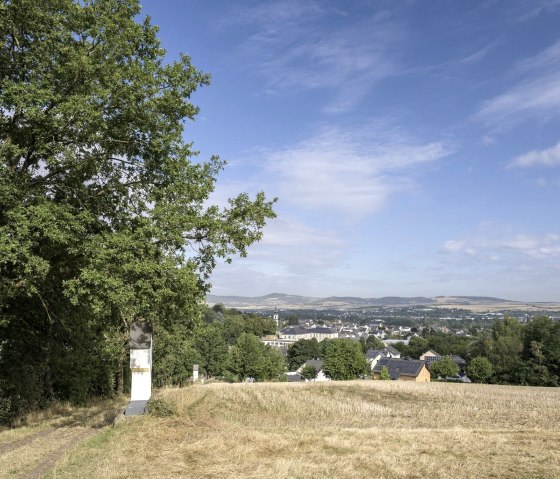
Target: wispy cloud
x,y
548,59
536,93
352,172
498,242
291,246
292,49
539,6
546,157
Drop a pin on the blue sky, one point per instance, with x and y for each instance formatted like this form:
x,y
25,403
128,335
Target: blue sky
x,y
414,146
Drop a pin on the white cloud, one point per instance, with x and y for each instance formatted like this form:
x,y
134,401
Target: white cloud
x,y
352,172
293,51
547,157
547,59
536,7
494,242
539,96
536,93
452,246
291,253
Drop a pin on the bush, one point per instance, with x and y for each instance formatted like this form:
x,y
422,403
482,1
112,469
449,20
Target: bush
x,y
162,407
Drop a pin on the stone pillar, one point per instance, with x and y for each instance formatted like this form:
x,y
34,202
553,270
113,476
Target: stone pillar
x,y
140,342
195,373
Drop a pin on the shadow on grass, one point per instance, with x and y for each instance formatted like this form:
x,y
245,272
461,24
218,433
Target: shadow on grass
x,y
98,414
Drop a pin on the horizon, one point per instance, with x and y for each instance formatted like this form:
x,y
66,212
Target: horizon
x,y
475,296
413,147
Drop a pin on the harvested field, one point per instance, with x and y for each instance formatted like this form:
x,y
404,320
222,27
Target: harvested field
x,y
333,430
31,451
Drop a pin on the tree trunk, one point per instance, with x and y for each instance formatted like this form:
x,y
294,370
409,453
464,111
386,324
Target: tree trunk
x,y
120,375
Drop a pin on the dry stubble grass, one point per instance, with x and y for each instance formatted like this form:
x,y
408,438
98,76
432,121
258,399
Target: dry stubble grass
x,y
48,433
334,430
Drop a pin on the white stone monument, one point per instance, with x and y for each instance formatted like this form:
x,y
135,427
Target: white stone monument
x,y
140,342
195,373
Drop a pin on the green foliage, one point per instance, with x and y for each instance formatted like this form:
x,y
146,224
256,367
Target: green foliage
x,y
161,407
373,342
174,356
213,350
417,346
504,349
100,198
291,320
301,351
444,368
480,369
541,352
309,372
343,359
258,325
384,374
250,358
233,327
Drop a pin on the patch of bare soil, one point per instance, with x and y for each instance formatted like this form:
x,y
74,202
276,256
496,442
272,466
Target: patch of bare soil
x,y
49,461
24,441
33,456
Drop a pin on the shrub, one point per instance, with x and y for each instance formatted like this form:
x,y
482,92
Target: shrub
x,y
162,407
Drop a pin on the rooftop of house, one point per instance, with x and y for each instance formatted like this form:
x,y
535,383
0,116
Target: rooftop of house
x,y
316,363
385,352
316,330
373,353
294,377
456,359
400,367
431,352
392,350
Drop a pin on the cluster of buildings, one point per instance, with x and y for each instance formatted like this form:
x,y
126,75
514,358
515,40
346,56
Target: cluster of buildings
x,y
388,361
286,337
385,361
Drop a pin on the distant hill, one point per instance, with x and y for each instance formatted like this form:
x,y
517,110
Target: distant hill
x,y
471,300
294,301
288,301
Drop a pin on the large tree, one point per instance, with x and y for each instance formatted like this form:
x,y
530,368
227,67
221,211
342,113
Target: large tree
x,y
301,351
344,359
480,369
250,358
104,218
444,368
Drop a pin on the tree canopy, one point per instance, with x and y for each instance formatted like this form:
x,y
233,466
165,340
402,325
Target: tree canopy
x,y
104,217
480,369
250,358
444,368
344,359
301,351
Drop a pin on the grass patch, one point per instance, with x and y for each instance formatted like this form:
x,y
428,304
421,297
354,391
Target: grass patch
x,y
162,407
333,430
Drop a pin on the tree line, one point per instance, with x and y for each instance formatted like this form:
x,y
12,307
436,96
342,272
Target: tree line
x,y
104,211
509,352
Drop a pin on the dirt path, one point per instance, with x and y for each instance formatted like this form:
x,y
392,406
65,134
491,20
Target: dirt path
x,y
34,455
10,446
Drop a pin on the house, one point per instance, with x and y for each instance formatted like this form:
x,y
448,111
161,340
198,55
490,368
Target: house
x,y
392,352
388,342
403,370
430,354
374,355
431,357
294,377
318,365
318,333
